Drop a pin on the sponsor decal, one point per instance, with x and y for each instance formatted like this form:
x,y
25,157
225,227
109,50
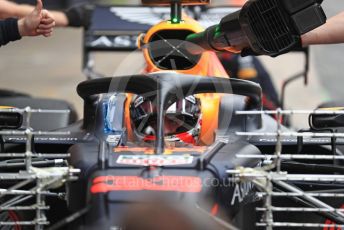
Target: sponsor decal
x,y
286,140
113,139
150,151
154,160
138,101
104,184
43,139
118,41
241,190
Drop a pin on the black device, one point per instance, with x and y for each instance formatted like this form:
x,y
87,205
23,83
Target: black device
x,y
266,27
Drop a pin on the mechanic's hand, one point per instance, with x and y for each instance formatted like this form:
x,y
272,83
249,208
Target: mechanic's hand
x,y
38,22
46,25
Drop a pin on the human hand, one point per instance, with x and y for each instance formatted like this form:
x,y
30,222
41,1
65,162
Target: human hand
x,y
46,25
38,22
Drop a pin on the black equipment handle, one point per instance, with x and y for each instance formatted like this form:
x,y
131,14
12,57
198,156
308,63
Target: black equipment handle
x,y
266,27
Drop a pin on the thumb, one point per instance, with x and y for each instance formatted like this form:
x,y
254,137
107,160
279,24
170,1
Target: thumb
x,y
39,6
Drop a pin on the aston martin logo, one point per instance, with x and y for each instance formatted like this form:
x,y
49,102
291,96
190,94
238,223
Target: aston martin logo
x,y
102,41
114,41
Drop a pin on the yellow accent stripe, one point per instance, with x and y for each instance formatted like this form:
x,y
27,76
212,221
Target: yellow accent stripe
x,y
333,108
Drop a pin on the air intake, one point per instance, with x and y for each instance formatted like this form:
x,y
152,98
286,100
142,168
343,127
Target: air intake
x,y
167,50
266,21
273,23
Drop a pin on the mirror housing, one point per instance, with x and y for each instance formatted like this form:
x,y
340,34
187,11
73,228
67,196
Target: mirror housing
x,y
10,120
327,121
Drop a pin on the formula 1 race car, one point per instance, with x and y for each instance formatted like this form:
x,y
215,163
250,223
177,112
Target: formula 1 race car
x,y
180,146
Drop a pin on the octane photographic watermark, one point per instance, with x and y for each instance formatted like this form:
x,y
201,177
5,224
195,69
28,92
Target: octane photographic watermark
x,y
169,180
